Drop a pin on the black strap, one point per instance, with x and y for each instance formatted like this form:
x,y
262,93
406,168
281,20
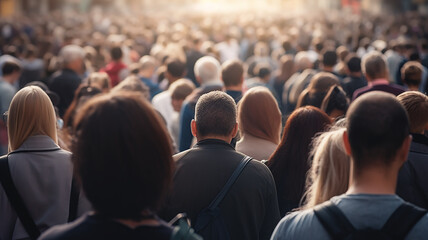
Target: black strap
x,y
402,220
333,220
16,200
217,200
398,225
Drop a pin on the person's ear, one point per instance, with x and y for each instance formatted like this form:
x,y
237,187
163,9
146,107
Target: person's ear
x,y
346,143
235,130
193,128
403,151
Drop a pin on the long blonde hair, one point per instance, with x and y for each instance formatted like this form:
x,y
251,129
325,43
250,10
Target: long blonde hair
x,y
30,113
329,174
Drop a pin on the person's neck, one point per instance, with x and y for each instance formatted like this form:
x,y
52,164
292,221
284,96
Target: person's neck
x,y
328,69
234,88
135,224
355,74
374,180
9,79
222,138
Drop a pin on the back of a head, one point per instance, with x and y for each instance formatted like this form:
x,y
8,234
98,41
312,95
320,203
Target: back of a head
x,y
377,125
259,115
215,114
100,80
10,67
232,73
30,113
116,53
416,105
71,53
147,62
302,61
176,67
335,102
314,94
353,62
329,58
329,174
411,73
133,84
374,65
122,147
181,88
289,163
207,70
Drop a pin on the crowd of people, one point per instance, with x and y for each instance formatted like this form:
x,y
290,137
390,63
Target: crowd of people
x,y
255,127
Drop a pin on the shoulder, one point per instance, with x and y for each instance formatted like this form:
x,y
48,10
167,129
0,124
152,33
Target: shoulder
x,y
300,225
420,230
74,230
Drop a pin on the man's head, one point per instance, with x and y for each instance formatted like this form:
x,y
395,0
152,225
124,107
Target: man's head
x,y
374,66
416,105
116,53
11,71
147,66
353,63
207,70
377,132
175,69
411,74
215,117
329,59
232,73
179,90
72,57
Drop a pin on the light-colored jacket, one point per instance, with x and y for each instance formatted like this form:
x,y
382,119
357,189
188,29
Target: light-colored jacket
x,y
255,147
42,173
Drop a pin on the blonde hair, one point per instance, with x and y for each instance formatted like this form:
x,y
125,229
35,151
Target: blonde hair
x,y
259,115
329,173
99,80
30,113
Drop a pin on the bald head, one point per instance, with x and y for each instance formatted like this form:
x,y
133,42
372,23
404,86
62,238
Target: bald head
x,y
377,126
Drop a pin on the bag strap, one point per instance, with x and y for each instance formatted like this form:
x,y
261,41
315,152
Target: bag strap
x,y
403,220
16,200
217,200
333,220
182,231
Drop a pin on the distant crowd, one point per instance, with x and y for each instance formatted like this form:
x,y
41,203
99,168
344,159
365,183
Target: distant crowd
x,y
237,121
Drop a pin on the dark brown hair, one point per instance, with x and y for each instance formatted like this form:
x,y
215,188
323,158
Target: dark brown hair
x,y
289,163
122,155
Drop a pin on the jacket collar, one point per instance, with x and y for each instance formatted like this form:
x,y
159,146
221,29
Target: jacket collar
x,y
213,142
38,142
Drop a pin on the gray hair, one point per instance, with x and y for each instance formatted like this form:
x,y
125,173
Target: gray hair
x,y
208,70
70,53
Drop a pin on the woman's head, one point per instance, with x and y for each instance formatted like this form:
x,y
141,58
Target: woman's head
x,y
317,89
30,113
329,174
122,155
259,115
289,163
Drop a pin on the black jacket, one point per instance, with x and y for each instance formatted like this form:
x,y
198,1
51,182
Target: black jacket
x,y
413,176
250,209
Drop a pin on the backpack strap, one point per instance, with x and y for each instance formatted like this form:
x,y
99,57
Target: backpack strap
x,y
217,200
403,220
333,220
16,200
